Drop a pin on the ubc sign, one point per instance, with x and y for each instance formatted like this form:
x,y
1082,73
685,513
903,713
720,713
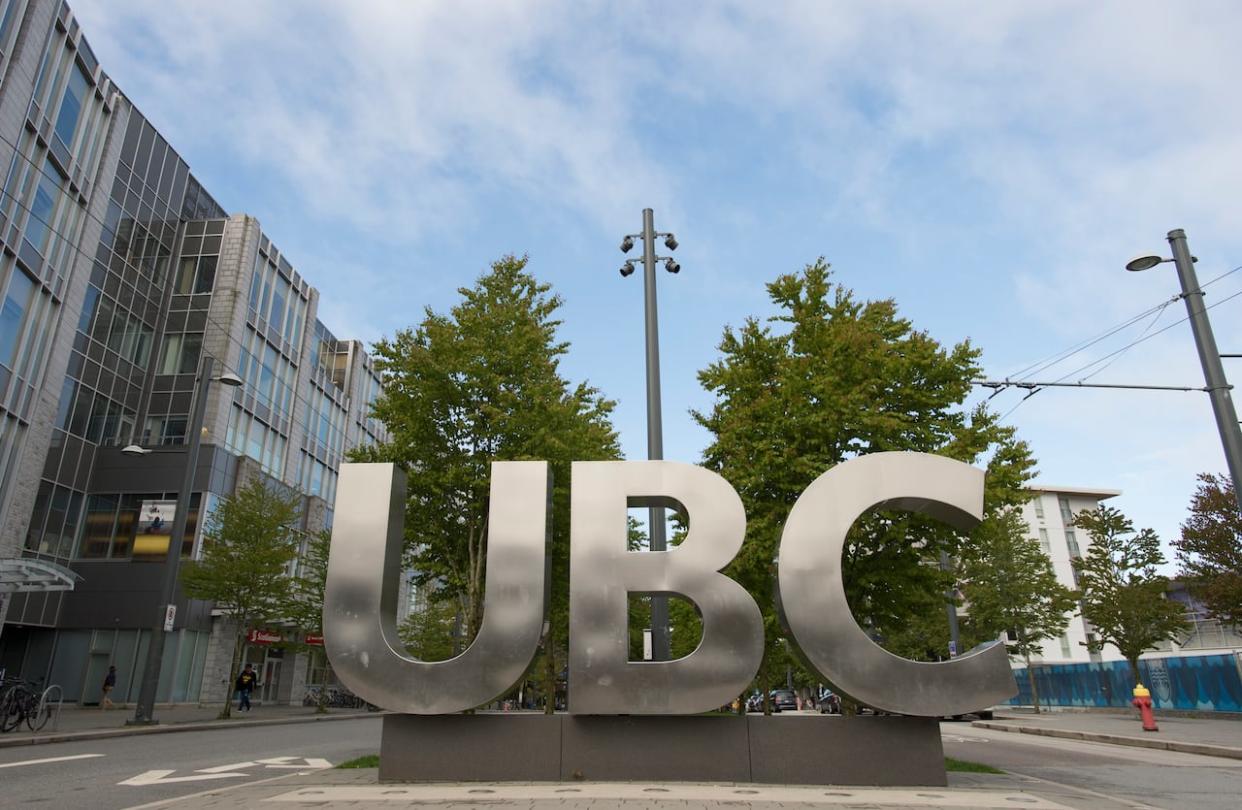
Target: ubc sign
x,y
363,571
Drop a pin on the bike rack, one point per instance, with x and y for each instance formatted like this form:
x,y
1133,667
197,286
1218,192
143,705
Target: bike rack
x,y
46,699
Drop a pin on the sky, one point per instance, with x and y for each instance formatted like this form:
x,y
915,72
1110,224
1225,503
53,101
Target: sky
x,y
990,166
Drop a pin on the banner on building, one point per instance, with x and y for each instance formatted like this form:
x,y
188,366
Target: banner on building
x,y
155,520
264,637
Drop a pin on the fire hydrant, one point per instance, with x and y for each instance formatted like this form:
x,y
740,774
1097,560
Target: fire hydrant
x,y
1142,702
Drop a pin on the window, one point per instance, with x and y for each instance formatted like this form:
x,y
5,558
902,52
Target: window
x,y
1065,647
1044,542
181,354
71,106
1071,540
13,313
1067,514
39,227
1039,506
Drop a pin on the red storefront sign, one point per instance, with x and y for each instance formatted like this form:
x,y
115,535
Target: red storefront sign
x,y
264,637
314,641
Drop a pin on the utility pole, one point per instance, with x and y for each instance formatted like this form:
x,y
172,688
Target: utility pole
x,y
655,430
1209,356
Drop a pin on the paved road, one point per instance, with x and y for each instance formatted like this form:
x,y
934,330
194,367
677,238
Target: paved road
x,y
1140,777
94,777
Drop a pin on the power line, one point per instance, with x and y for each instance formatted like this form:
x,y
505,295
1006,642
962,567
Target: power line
x,y
1057,357
1000,385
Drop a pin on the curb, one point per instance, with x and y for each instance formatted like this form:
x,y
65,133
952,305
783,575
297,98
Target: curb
x,y
1206,749
207,725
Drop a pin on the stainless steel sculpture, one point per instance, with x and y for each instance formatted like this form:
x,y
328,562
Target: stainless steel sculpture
x,y
603,572
812,592
360,599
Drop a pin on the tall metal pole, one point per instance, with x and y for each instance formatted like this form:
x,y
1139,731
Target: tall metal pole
x,y
655,430
1209,356
145,712
950,607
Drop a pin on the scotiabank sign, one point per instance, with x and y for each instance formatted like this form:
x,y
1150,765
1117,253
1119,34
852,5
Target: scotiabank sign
x,y
264,637
368,656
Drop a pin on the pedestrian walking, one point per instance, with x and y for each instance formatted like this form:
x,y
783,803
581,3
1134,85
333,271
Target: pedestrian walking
x,y
246,683
109,684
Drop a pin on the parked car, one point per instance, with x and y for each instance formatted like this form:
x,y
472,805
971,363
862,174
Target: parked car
x,y
784,700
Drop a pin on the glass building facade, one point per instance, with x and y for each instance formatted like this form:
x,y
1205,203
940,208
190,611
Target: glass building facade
x,y
119,272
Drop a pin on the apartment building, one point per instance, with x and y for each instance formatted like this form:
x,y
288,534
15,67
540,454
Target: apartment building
x,y
119,273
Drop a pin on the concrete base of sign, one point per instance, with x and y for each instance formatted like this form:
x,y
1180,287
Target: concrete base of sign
x,y
782,749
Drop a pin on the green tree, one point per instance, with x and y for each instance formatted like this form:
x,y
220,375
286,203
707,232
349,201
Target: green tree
x,y
482,384
428,633
829,378
1010,586
1123,596
249,541
1210,548
304,601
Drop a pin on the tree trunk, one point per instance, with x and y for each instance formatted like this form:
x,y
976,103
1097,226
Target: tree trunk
x,y
1134,671
239,652
1030,676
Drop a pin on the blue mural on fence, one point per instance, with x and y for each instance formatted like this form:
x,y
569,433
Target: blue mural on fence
x,y
1207,683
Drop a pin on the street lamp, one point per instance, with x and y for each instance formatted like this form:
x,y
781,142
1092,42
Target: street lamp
x,y
655,429
1209,356
145,712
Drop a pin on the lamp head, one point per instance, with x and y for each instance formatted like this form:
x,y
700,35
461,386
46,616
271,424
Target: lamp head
x,y
230,379
672,266
627,244
626,270
670,241
1139,263
134,450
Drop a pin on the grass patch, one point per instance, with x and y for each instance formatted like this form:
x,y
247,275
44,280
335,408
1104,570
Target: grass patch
x,y
369,761
962,766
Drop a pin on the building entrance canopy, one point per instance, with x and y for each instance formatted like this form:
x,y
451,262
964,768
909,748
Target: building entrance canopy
x,y
21,575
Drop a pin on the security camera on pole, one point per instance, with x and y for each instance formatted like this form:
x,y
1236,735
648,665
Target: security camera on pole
x,y
655,430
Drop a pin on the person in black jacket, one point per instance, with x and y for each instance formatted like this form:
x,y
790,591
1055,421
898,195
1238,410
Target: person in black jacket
x,y
246,682
109,684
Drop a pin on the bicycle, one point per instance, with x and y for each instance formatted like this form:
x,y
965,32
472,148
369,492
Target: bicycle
x,y
22,704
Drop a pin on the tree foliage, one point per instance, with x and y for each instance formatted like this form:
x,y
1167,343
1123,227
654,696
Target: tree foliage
x,y
831,377
1010,586
428,633
479,384
1210,548
249,541
1123,596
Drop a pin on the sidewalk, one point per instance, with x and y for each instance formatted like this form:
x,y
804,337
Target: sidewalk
x,y
91,722
1213,736
360,787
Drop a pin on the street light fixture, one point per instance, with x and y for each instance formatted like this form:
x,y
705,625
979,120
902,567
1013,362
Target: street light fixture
x,y
144,714
1209,356
655,429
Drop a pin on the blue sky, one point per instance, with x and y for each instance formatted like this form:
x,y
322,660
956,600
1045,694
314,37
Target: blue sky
x,y
990,166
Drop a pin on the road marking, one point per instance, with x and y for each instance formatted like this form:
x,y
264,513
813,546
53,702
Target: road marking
x,y
165,777
308,763
48,759
236,766
211,792
162,777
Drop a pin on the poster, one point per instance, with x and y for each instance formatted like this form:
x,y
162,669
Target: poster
x,y
155,520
